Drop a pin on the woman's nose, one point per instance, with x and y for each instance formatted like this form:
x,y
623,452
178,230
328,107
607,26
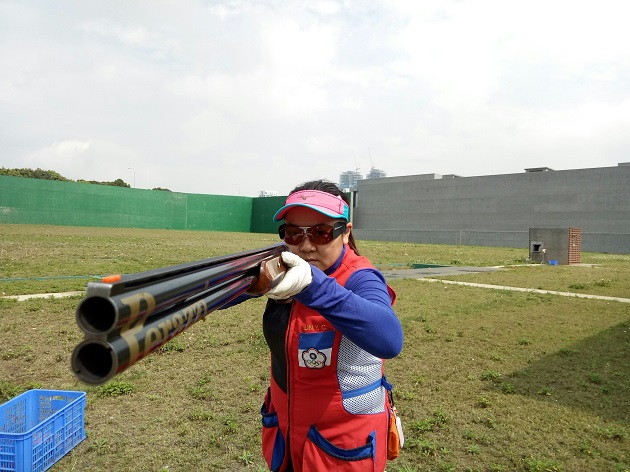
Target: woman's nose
x,y
307,245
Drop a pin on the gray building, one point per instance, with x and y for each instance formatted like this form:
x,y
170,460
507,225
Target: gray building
x,y
375,174
348,180
498,210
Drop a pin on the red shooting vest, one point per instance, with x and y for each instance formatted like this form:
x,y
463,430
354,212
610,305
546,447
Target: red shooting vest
x,y
335,416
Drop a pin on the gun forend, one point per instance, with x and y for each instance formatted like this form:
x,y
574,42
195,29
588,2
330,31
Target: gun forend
x,y
272,271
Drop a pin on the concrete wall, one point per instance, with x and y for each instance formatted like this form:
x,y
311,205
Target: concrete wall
x,y
495,210
498,210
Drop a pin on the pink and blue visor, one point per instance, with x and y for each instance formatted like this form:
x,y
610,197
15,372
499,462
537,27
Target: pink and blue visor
x,y
323,202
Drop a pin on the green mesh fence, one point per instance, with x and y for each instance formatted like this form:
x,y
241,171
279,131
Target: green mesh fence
x,y
35,201
263,210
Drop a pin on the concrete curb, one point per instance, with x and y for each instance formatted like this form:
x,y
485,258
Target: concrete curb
x,y
418,274
532,290
21,298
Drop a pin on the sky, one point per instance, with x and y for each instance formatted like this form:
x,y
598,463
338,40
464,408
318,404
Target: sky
x,y
233,97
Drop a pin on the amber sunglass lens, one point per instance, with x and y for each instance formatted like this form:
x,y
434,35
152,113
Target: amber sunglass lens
x,y
293,235
321,234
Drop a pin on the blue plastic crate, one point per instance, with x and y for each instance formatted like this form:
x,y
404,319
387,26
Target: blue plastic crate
x,y
39,427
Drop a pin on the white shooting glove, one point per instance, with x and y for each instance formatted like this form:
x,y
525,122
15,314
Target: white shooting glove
x,y
297,277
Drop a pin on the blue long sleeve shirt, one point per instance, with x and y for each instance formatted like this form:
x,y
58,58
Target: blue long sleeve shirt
x,y
361,310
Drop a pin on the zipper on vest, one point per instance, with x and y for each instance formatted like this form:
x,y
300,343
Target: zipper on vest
x,y
287,339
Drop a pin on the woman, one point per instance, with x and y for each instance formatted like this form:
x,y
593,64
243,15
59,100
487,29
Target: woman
x,y
328,325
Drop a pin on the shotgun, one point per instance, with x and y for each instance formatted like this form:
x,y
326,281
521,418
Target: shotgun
x,y
126,317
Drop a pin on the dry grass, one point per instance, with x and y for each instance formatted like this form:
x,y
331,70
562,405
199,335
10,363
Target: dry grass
x,y
518,376
488,380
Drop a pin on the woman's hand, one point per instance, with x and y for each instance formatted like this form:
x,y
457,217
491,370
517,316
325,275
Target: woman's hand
x,y
297,277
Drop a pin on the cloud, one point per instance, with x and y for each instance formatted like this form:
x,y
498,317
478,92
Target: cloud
x,y
239,96
86,160
68,151
70,147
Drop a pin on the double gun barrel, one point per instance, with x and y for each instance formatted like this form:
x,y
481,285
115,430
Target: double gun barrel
x,y
124,318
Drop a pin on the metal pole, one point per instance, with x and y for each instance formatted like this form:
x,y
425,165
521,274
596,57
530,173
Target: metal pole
x,y
134,176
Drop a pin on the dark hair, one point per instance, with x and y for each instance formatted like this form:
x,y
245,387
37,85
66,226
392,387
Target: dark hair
x,y
333,189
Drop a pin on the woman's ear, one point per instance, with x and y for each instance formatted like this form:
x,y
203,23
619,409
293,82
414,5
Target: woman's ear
x,y
346,234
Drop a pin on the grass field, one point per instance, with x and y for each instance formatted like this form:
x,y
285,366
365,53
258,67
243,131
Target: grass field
x,y
488,380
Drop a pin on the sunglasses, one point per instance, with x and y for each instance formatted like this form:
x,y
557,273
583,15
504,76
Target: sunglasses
x,y
318,234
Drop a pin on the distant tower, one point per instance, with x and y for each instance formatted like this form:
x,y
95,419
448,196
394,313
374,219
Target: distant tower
x,y
376,174
348,180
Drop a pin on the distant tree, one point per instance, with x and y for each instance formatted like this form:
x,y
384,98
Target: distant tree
x,y
115,183
34,174
118,183
162,189
52,175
